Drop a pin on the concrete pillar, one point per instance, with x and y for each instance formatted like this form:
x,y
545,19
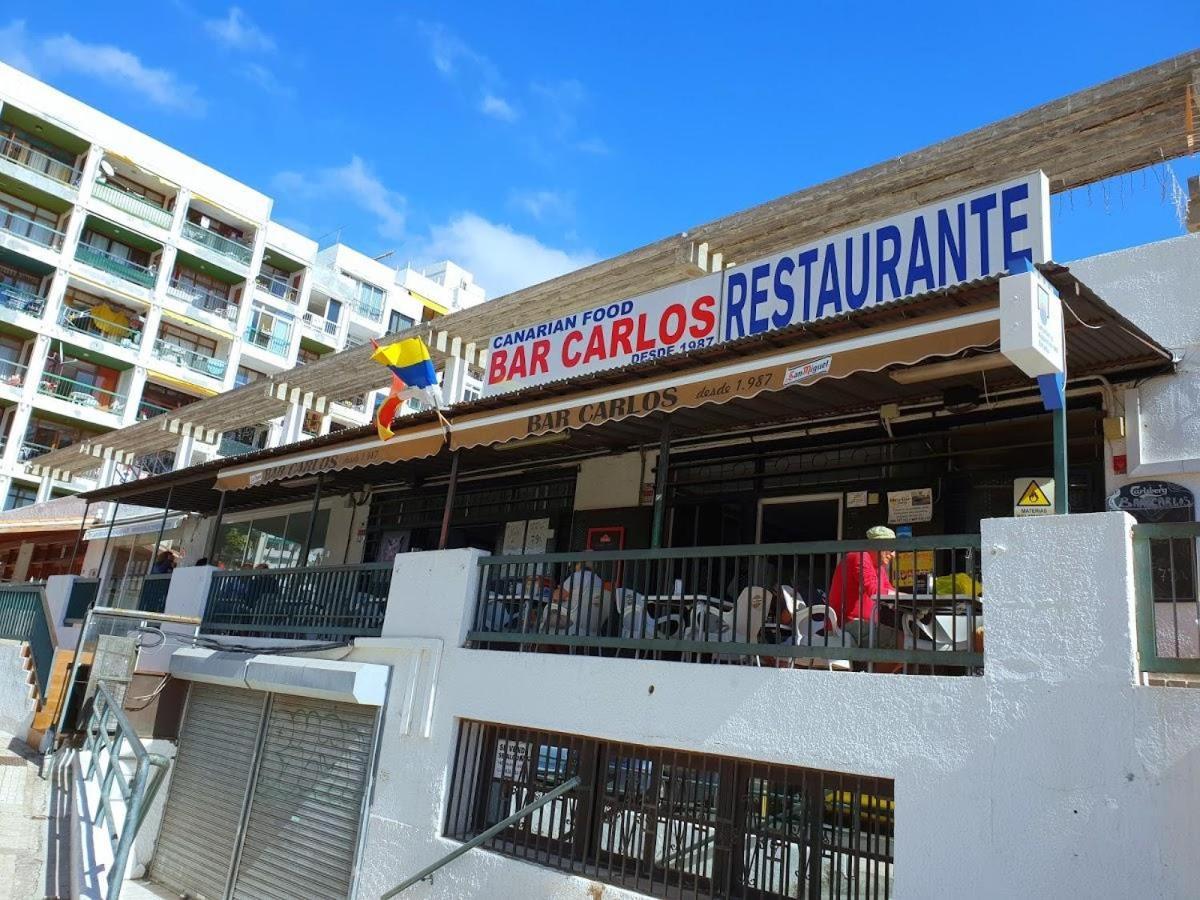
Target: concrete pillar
x,y
44,487
134,383
15,436
36,367
454,379
183,452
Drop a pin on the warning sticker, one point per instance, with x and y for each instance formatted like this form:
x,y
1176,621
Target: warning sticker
x,y
1033,496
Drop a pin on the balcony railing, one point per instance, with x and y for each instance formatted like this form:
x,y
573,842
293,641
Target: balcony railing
x,y
23,618
82,321
84,395
371,311
135,205
202,299
326,603
29,450
82,597
123,268
31,230
148,410
21,300
189,359
158,462
217,243
267,341
782,605
320,324
230,447
1166,582
276,288
12,373
24,155
153,595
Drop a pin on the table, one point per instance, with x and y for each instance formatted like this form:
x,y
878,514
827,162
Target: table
x,y
945,621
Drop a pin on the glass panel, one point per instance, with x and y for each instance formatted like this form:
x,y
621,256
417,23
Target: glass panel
x,y
231,545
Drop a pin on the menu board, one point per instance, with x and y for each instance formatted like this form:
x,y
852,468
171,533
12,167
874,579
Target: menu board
x,y
914,505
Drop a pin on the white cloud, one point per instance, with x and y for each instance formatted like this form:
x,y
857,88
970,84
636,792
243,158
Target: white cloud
x,y
267,80
497,108
501,259
237,31
543,204
354,182
101,62
452,56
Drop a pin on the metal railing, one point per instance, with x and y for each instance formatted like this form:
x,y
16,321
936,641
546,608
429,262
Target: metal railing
x,y
21,300
81,321
84,592
23,618
1166,585
153,595
186,358
125,269
326,603
157,462
134,204
231,447
12,373
26,156
81,394
123,798
819,604
31,230
268,341
202,299
671,823
217,243
372,311
320,324
148,410
29,450
276,288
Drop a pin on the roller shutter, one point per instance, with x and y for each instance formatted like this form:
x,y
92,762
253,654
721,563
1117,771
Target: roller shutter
x,y
303,827
204,808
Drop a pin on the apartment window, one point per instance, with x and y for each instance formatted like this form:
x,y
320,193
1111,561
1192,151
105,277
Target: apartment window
x,y
185,340
245,376
83,373
397,322
12,133
368,299
269,330
28,210
164,398
132,187
216,226
116,249
305,356
51,436
20,280
312,423
189,279
669,823
333,310
20,495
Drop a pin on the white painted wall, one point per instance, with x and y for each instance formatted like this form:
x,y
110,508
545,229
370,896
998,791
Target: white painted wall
x,y
1053,775
17,701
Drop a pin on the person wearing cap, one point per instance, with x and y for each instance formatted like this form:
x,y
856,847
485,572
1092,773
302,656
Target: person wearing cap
x,y
860,580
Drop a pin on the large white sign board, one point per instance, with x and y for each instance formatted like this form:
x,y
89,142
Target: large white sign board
x,y
1031,324
983,233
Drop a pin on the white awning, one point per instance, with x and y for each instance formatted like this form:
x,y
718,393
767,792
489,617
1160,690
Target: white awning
x,y
125,529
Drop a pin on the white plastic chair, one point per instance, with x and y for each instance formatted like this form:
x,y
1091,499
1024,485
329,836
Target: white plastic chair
x,y
817,626
740,623
636,621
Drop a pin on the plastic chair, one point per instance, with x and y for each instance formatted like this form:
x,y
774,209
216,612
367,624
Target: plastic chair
x,y
817,626
635,619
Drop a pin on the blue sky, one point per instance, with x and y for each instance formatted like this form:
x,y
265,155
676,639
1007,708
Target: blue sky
x,y
527,139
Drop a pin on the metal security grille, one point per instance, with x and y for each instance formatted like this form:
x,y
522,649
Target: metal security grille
x,y
212,769
668,823
303,828
266,798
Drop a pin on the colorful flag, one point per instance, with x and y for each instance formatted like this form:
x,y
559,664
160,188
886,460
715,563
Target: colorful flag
x,y
412,373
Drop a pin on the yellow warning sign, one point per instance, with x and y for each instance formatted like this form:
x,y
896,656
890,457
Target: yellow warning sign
x,y
1033,496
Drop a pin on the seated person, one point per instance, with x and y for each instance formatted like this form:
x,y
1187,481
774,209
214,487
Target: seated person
x,y
859,581
579,605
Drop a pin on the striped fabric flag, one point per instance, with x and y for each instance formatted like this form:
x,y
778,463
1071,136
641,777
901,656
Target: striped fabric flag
x,y
412,373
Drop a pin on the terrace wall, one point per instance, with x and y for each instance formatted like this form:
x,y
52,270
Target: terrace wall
x,y
1054,774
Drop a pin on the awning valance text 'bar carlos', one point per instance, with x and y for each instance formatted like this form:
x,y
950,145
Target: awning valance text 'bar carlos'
x,y
975,235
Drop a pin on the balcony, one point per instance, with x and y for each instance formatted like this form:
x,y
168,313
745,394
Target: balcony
x,y
122,268
94,323
12,374
25,156
217,243
81,394
29,450
193,360
231,447
280,290
325,328
202,299
147,410
21,300
138,207
266,341
371,311
22,226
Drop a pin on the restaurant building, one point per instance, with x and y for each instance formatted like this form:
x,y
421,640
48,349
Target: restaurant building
x,y
596,623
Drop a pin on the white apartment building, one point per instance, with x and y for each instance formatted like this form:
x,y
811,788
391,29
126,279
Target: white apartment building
x,y
134,280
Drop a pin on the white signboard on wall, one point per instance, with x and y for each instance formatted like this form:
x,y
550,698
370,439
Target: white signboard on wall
x,y
982,233
906,507
1031,324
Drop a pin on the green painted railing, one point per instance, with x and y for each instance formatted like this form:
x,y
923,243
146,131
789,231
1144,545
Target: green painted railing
x,y
84,592
320,603
23,618
81,321
1166,582
30,229
189,359
268,341
21,300
759,604
217,243
115,265
135,205
25,155
124,798
148,410
81,394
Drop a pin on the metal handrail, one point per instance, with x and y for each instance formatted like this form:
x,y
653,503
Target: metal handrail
x,y
115,265
201,299
69,317
72,391
23,617
108,732
148,410
47,235
217,243
21,300
134,204
265,340
484,836
24,154
320,323
272,285
194,360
